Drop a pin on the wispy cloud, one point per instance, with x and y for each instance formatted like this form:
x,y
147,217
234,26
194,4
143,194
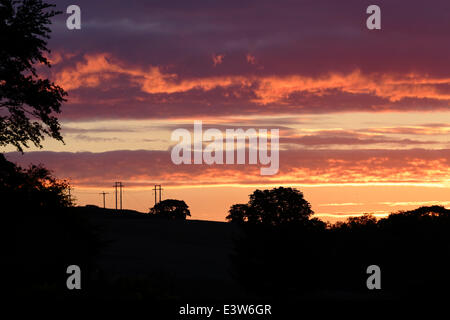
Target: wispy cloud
x,y
313,167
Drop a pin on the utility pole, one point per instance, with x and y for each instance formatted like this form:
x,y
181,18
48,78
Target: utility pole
x,y
120,186
70,189
115,191
156,189
104,193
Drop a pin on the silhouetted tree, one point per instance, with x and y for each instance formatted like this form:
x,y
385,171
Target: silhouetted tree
x,y
171,209
31,189
418,251
27,101
364,222
411,248
41,228
272,207
239,213
280,250
43,233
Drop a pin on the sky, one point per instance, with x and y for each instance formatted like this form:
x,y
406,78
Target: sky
x,y
364,115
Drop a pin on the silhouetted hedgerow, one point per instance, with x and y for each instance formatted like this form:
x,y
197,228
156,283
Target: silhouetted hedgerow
x,y
309,258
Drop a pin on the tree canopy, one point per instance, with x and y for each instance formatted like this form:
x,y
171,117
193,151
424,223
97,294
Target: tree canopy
x,y
28,102
31,189
171,208
272,207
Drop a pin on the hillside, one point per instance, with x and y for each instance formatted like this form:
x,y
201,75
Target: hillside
x,y
191,254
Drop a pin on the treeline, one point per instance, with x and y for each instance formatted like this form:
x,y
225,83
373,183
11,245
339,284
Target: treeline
x,y
306,258
42,232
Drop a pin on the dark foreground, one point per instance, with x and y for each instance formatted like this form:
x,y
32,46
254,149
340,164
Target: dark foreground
x,y
131,256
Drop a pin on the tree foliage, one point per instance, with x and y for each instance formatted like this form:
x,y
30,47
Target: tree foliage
x,y
28,102
31,189
171,208
295,260
272,207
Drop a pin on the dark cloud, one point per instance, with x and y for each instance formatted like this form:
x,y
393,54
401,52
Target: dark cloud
x,y
285,36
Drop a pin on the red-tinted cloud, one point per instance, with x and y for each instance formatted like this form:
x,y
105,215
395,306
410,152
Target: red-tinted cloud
x,y
154,59
109,88
143,168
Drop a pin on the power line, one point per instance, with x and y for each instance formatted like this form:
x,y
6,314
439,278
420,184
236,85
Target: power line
x,y
85,192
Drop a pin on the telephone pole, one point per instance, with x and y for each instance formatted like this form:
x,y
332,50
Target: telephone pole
x,y
156,189
120,186
104,193
115,192
69,187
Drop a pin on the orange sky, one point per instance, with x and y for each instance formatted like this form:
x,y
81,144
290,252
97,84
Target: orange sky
x,y
364,116
378,167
